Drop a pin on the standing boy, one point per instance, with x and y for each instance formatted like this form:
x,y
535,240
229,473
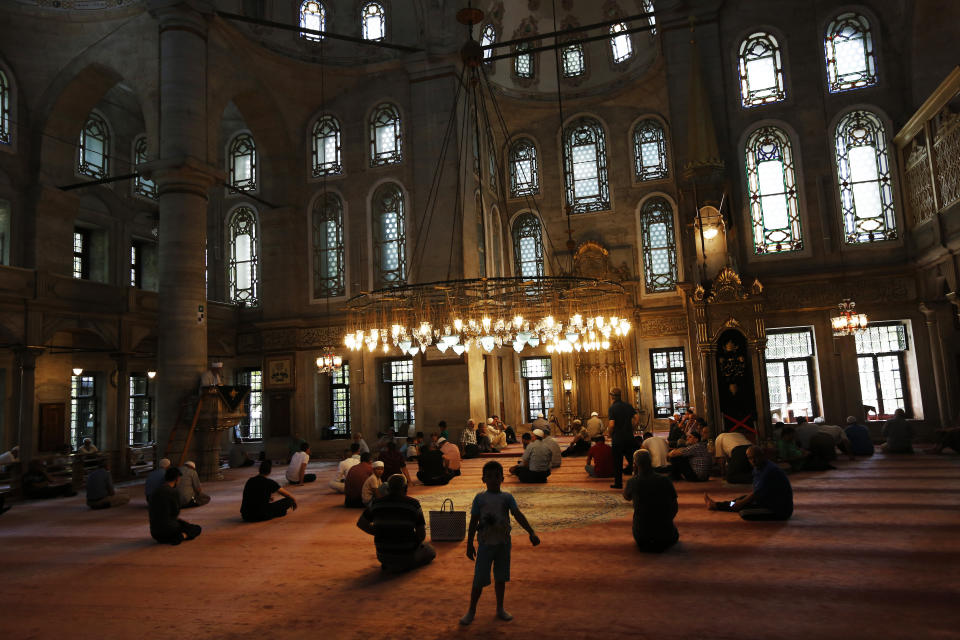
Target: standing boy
x,y
490,522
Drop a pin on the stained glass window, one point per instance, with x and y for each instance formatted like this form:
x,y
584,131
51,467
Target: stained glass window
x,y
313,15
385,139
585,166
848,48
142,186
389,239
524,177
772,187
620,45
340,402
94,148
523,62
761,70
537,374
326,147
81,253
141,416
650,150
487,38
669,372
6,132
659,246
243,269
328,262
528,246
880,359
84,417
863,172
242,163
572,60
373,19
791,382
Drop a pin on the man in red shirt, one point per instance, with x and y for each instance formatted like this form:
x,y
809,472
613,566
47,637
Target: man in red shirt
x,y
601,457
353,483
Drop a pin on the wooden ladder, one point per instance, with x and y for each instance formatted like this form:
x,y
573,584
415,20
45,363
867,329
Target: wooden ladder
x,y
193,427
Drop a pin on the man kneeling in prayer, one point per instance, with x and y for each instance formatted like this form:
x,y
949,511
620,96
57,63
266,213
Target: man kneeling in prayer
x,y
772,496
396,523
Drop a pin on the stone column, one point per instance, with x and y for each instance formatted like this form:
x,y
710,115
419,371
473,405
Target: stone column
x,y
929,312
120,437
24,395
183,179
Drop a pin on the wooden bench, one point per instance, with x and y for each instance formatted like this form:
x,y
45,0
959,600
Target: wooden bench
x,y
142,460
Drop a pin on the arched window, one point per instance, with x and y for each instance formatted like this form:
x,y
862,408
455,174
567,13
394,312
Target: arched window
x,y
373,21
142,186
523,62
848,48
585,166
659,246
6,135
242,163
389,236
572,60
772,187
487,38
524,177
313,16
863,172
326,147
651,19
94,148
620,45
328,260
385,139
243,268
650,150
528,246
761,70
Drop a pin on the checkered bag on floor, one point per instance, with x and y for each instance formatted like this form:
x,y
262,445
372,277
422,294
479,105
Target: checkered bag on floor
x,y
446,526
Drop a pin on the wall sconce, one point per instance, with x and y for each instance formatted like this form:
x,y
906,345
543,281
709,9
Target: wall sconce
x,y
567,383
567,388
635,382
710,221
77,371
151,374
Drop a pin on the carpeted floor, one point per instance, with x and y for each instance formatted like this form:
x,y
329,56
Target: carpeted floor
x,y
873,551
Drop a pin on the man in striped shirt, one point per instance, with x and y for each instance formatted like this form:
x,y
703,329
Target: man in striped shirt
x,y
396,523
692,462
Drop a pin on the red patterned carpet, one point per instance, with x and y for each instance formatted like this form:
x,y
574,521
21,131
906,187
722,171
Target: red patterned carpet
x,y
873,551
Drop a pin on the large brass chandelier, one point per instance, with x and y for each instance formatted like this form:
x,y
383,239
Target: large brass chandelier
x,y
847,321
560,313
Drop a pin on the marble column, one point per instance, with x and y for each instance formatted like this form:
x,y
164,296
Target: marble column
x,y
929,312
120,437
24,384
183,179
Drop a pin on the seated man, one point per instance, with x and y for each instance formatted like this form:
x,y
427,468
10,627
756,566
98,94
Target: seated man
x,y
165,526
191,495
100,491
239,456
396,523
155,478
536,461
692,462
498,437
411,448
257,492
899,434
297,469
861,443
550,441
345,465
654,506
393,462
371,486
595,426
451,456
788,451
468,441
772,496
9,457
37,483
432,470
353,483
87,448
580,444
659,450
732,447
358,438
839,435
600,459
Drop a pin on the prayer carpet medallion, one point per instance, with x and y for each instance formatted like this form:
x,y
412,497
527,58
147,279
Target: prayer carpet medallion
x,y
547,508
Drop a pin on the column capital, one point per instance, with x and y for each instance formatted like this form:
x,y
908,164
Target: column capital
x,y
27,356
182,174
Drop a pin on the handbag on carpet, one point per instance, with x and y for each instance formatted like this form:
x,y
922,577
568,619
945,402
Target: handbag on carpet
x,y
448,525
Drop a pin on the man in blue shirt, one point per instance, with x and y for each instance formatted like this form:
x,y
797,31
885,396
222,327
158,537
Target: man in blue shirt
x,y
861,444
623,418
772,496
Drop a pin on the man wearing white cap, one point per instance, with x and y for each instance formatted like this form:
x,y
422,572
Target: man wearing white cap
x,y
498,438
594,426
371,487
189,487
536,461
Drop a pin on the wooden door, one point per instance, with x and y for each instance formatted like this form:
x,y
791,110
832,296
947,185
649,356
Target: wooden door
x,y
279,417
53,426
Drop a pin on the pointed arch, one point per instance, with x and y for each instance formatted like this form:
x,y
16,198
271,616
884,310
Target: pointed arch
x,y
243,265
528,255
